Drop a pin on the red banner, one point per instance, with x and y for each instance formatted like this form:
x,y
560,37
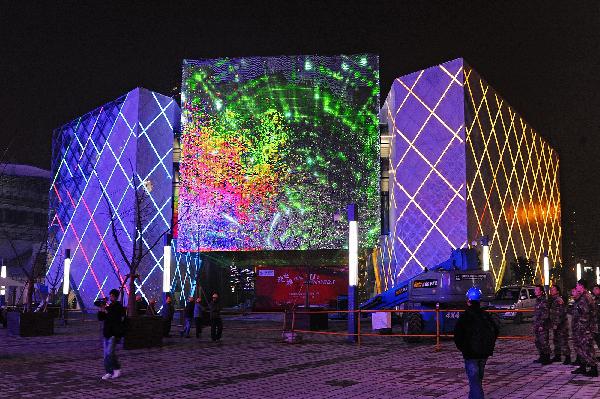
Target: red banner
x,y
283,287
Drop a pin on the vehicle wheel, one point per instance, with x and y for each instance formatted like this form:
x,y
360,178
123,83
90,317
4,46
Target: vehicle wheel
x,y
496,320
518,318
413,324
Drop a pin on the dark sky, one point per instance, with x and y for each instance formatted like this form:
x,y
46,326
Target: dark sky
x,y
61,59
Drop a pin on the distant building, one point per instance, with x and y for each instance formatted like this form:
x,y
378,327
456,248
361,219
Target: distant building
x,y
23,216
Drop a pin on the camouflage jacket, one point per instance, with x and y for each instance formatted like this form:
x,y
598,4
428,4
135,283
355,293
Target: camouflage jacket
x,y
541,315
597,309
584,320
557,312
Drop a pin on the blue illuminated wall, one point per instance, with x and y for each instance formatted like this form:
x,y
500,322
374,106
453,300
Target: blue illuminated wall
x,y
102,151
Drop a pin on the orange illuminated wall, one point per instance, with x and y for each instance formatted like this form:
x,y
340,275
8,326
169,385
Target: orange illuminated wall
x,y
513,193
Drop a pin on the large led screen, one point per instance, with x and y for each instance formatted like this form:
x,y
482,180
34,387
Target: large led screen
x,y
274,147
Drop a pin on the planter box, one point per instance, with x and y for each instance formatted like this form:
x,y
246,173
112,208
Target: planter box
x,y
143,332
30,324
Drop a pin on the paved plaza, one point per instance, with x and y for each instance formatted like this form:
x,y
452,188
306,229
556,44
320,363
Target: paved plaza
x,y
257,364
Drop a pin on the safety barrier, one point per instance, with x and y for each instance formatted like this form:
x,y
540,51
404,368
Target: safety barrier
x,y
437,335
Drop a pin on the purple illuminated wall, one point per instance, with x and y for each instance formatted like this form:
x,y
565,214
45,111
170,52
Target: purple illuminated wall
x,y
424,111
101,152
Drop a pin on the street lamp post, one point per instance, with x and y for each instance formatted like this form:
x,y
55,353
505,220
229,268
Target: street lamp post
x,y
352,271
2,288
578,271
66,278
546,271
485,253
166,285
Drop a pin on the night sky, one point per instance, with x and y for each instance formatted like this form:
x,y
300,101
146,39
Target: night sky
x,y
62,59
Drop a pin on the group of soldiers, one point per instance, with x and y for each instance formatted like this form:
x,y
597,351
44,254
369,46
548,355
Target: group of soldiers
x,y
551,315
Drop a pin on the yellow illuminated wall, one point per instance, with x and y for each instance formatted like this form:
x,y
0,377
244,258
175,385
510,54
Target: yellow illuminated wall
x,y
513,193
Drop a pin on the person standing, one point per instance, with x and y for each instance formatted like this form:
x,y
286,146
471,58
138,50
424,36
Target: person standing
x,y
112,315
596,293
475,336
584,327
188,314
198,317
559,326
167,312
541,323
216,323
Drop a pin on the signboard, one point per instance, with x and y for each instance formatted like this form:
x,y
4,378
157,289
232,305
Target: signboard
x,y
429,283
401,290
285,287
470,277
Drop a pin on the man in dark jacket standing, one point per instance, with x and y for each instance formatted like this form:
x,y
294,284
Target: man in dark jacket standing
x,y
188,314
167,312
112,315
216,323
475,336
541,325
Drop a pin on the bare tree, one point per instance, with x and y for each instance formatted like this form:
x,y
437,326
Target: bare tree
x,y
133,257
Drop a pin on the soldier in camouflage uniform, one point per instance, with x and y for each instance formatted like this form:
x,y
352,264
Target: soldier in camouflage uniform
x,y
596,292
584,327
559,326
541,322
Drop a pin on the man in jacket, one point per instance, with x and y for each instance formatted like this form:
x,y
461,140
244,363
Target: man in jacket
x,y
112,315
475,336
584,327
558,324
198,317
167,312
216,323
188,314
541,325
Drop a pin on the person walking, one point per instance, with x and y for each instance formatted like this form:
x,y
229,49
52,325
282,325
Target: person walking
x,y
167,312
112,315
188,314
475,336
216,323
584,328
198,317
559,326
541,324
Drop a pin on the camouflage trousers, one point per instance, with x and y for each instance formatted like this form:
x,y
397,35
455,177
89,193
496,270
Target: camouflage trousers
x,y
541,341
560,337
584,347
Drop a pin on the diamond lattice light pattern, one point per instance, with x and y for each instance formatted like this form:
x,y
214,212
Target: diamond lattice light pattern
x,y
273,147
98,153
464,164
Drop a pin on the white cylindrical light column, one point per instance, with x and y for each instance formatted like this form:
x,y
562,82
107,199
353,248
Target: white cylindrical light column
x,y
352,271
546,270
66,272
578,271
167,265
598,275
3,275
485,254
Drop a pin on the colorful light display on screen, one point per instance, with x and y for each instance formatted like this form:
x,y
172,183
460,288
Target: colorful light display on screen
x,y
273,147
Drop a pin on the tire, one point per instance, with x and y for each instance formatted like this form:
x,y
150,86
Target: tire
x,y
413,324
518,318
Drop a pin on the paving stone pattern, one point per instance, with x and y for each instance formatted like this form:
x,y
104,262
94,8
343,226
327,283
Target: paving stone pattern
x,y
257,364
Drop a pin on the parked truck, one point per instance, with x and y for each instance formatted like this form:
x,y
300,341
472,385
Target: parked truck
x,y
443,285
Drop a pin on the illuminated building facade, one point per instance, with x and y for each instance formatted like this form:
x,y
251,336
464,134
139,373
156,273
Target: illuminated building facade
x,y
273,147
99,160
463,164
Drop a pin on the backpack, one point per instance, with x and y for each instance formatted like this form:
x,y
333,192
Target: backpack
x,y
483,335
